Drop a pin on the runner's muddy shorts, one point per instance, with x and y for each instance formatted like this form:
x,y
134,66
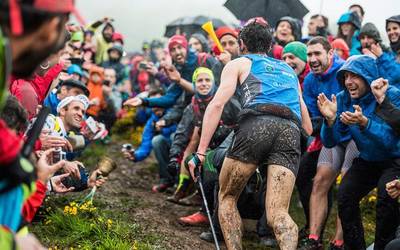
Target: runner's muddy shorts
x,y
267,140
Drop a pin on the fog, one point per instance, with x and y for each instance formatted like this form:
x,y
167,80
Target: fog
x,y
140,20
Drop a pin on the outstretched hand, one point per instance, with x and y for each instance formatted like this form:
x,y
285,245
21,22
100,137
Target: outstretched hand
x,y
133,102
173,74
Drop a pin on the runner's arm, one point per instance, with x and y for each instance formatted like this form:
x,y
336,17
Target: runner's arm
x,y
214,110
305,116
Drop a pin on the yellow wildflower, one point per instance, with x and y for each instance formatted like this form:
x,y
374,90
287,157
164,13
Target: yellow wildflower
x,y
66,209
74,211
135,245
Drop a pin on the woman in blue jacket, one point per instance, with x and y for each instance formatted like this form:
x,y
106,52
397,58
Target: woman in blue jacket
x,y
349,27
352,113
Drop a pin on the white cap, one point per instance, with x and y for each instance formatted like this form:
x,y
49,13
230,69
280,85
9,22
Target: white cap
x,y
67,100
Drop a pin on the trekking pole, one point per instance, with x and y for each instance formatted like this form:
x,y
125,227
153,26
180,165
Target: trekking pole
x,y
198,175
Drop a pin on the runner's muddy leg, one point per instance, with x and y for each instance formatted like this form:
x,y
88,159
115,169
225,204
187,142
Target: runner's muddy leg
x,y
233,178
280,185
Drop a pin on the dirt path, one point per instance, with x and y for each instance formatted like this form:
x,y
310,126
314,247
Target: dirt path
x,y
129,190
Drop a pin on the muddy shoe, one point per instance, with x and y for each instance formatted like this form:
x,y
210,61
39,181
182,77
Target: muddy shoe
x,y
310,244
160,188
191,200
196,219
333,246
207,236
268,241
179,194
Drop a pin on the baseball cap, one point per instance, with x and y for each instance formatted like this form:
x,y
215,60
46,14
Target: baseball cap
x,y
76,84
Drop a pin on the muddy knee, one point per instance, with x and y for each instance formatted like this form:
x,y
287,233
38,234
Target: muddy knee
x,y
281,222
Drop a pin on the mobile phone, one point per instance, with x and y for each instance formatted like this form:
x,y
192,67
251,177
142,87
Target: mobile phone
x,y
91,123
143,65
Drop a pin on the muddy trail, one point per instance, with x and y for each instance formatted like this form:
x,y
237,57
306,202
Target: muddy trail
x,y
129,191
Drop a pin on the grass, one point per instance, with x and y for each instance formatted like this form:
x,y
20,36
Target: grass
x,y
90,227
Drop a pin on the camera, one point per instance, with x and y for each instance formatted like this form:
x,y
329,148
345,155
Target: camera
x,y
143,65
59,155
78,184
128,147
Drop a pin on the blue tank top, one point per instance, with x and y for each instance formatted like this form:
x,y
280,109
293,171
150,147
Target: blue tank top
x,y
270,82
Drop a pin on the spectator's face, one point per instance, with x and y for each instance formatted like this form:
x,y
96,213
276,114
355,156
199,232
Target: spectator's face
x,y
114,54
355,85
72,114
48,39
366,41
76,76
318,58
195,44
107,33
314,24
95,78
203,84
69,91
230,44
294,62
346,28
178,54
393,31
88,38
110,76
284,32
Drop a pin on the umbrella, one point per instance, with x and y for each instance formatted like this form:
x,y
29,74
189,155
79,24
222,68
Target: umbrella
x,y
271,10
190,25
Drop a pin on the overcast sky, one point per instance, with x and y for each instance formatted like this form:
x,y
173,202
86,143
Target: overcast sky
x,y
142,20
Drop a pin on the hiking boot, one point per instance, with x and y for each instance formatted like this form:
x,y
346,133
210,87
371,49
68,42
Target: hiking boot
x,y
207,236
196,219
160,188
310,244
268,241
332,246
191,200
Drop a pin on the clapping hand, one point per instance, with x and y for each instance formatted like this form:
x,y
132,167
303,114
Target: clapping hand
x,y
353,118
327,108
